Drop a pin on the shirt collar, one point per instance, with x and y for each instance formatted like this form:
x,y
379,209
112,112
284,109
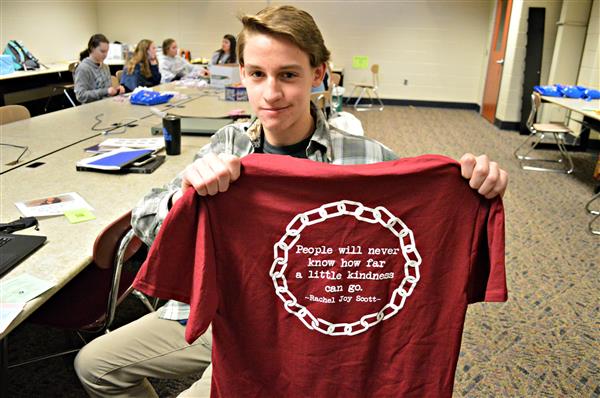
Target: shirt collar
x,y
320,140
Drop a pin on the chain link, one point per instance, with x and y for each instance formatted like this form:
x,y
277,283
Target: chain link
x,y
361,212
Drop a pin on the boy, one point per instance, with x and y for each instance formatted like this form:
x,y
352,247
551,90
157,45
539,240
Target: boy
x,y
282,55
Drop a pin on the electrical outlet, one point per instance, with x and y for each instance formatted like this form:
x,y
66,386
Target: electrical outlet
x,y
406,82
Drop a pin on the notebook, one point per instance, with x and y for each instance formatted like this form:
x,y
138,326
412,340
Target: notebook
x,y
114,160
197,125
14,248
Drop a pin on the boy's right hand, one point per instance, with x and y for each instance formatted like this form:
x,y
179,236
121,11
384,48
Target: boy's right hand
x,y
209,175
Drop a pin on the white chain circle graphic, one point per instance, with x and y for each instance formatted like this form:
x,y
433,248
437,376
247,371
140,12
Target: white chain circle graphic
x,y
363,213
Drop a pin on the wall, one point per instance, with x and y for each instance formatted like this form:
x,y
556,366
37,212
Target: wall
x,y
511,87
53,31
589,73
438,47
197,26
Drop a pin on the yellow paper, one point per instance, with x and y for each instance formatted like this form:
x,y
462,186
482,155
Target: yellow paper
x,y
360,62
79,215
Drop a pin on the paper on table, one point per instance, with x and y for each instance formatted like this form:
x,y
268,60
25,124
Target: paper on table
x,y
8,312
22,288
144,143
53,205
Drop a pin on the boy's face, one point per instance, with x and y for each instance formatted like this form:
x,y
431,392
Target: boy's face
x,y
278,78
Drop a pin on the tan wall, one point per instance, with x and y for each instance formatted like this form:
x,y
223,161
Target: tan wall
x,y
197,26
589,73
511,88
438,47
52,30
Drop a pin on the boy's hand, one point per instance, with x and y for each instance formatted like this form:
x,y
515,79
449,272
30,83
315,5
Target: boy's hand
x,y
484,176
210,175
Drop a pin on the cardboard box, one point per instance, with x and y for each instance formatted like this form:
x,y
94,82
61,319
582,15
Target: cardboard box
x,y
236,93
224,75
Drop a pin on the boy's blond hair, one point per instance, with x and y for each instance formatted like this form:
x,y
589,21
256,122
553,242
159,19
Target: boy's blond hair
x,y
287,22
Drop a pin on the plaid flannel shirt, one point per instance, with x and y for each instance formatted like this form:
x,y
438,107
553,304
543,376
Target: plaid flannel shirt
x,y
327,145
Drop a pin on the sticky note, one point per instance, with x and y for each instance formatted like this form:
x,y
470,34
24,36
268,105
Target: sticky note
x,y
360,62
79,215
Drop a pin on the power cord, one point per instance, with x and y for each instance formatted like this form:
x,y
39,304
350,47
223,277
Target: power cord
x,y
112,129
24,148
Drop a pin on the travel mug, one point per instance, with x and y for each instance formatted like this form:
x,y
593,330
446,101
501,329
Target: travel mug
x,y
172,134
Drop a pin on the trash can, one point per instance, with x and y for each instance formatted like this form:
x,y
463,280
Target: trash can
x,y
337,98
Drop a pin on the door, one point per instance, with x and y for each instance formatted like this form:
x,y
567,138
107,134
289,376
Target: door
x,y
496,60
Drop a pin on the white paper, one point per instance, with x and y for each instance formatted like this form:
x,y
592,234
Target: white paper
x,y
139,143
8,312
22,288
53,205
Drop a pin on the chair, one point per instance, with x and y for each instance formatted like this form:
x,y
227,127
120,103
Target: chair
x,y
114,82
89,301
369,89
557,130
118,74
13,113
324,99
595,213
65,87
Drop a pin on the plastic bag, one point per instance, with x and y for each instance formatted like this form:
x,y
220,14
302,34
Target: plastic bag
x,y
548,91
6,64
149,97
571,91
591,94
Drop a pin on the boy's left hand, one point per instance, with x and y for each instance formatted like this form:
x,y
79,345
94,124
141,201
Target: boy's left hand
x,y
484,176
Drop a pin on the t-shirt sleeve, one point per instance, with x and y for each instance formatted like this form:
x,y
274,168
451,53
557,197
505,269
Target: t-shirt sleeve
x,y
487,276
181,263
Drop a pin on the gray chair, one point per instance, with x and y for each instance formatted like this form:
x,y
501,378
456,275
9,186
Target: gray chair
x,y
538,132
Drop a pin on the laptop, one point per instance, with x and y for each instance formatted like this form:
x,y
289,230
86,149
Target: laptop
x,y
14,248
197,125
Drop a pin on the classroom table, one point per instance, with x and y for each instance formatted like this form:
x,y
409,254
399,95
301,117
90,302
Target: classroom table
x,y
591,118
68,249
46,134
26,85
58,140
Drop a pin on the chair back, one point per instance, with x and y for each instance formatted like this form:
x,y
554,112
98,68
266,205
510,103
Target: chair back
x,y
13,113
90,299
73,66
375,72
335,79
536,101
114,82
118,75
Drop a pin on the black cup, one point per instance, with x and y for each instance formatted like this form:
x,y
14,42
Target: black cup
x,y
172,134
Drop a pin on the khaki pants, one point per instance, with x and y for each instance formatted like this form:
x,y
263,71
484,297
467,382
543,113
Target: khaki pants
x,y
117,364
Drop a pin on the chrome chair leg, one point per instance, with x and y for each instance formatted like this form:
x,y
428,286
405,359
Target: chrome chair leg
x,y
534,140
69,98
588,206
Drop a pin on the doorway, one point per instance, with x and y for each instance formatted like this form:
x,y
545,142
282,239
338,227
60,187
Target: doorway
x,y
496,60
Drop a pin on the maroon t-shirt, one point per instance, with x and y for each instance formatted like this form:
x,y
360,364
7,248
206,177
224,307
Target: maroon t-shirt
x,y
324,281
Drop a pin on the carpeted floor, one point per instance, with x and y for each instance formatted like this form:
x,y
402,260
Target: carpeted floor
x,y
544,342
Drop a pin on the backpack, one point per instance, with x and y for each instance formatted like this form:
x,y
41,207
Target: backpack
x,y
22,58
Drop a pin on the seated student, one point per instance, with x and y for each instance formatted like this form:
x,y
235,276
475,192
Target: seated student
x,y
173,67
142,68
92,76
225,54
282,55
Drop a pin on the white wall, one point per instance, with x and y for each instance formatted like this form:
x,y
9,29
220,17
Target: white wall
x,y
197,26
589,73
439,47
53,31
511,87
